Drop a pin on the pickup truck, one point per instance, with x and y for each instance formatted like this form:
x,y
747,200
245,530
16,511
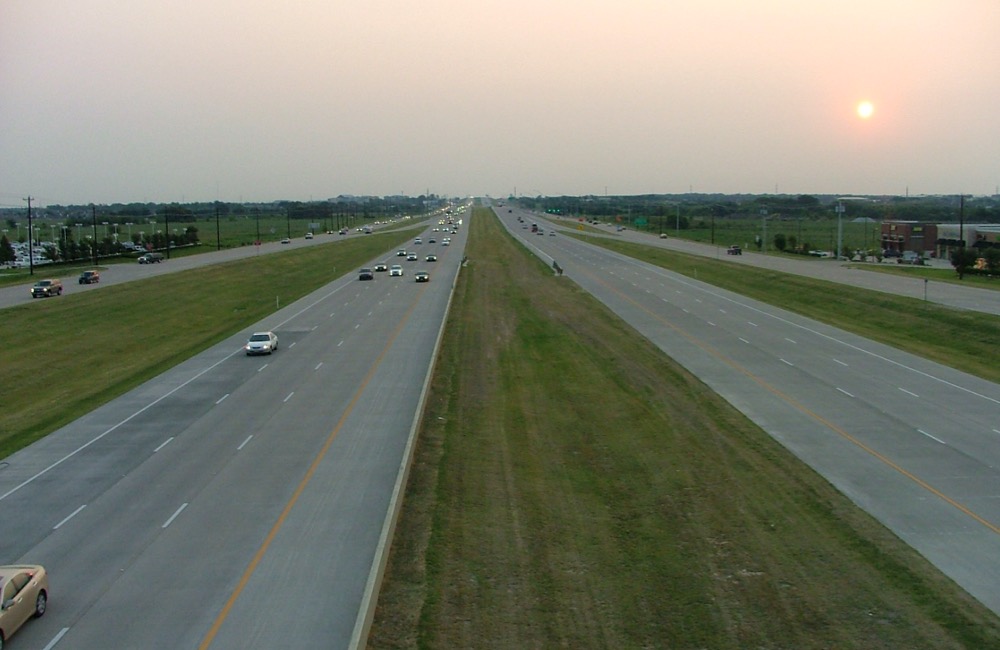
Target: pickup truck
x,y
151,258
734,250
46,288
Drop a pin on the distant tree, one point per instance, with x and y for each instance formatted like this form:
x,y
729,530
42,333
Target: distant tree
x,y
6,250
992,256
963,259
793,243
780,242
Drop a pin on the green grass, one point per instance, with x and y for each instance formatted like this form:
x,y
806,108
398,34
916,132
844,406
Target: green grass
x,y
964,340
574,488
65,356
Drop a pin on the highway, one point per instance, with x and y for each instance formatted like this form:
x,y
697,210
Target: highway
x,y
912,442
235,501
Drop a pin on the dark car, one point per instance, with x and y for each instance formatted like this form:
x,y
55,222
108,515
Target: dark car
x,y
46,288
366,274
90,277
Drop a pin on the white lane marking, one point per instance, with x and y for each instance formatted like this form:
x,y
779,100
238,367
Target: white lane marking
x,y
219,401
318,365
357,326
840,362
56,639
751,323
710,323
289,396
163,444
932,437
292,344
262,367
112,428
996,430
744,340
244,443
69,516
789,340
340,344
909,392
174,516
685,310
845,392
786,362
723,311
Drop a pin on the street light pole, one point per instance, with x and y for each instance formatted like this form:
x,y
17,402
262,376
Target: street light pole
x,y
840,230
31,243
763,223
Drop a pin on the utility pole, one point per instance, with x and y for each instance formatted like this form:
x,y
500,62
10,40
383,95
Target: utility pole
x,y
31,243
961,221
93,219
218,237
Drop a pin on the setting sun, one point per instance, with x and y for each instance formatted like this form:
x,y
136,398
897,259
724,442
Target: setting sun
x,y
865,110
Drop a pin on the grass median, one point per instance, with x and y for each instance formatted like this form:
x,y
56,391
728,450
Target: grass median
x,y
573,487
961,339
65,356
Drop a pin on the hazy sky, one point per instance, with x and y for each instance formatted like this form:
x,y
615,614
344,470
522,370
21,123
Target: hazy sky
x,y
109,101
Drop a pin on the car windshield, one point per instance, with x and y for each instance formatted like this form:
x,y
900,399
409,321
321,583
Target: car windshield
x,y
260,337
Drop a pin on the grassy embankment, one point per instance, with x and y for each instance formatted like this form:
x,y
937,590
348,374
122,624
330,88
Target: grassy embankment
x,y
961,339
66,356
575,488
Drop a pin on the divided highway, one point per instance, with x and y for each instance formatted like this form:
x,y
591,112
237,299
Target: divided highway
x,y
235,501
914,443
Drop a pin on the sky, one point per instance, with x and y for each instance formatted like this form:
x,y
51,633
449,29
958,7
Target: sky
x,y
104,101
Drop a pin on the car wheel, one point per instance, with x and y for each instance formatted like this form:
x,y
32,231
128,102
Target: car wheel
x,y
40,604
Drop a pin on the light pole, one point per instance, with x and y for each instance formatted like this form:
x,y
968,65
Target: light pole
x,y
763,225
840,230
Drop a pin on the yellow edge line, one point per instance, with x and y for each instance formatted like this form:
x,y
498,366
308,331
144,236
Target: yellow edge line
x,y
248,573
802,408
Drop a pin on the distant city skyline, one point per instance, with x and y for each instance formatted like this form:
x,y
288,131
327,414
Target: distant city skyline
x,y
105,102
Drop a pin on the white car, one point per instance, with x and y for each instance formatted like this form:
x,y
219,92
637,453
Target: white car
x,y
261,343
395,269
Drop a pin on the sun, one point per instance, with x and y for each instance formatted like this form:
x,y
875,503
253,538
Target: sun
x,y
865,109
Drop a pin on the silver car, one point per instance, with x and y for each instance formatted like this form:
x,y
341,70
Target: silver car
x,y
261,343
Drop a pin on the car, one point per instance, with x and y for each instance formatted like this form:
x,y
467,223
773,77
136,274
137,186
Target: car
x,y
411,257
734,250
342,231
366,274
381,266
90,277
25,594
309,235
663,235
46,288
422,276
395,270
151,258
446,241
418,241
431,258
401,253
286,240
432,241
261,343
552,233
